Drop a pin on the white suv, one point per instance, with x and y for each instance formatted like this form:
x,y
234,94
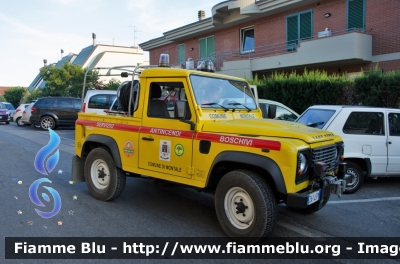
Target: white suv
x,y
96,101
371,136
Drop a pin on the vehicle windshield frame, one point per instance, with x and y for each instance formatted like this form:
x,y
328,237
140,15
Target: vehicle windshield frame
x,y
222,93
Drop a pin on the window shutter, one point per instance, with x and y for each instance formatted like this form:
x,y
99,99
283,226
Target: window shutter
x,y
202,48
292,32
181,54
355,19
210,47
306,25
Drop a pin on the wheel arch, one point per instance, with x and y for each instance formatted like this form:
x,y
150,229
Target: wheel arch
x,y
230,160
94,140
363,163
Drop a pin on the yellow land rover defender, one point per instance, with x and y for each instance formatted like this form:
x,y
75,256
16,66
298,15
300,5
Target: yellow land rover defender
x,y
205,130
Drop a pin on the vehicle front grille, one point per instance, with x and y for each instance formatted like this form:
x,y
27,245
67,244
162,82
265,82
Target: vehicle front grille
x,y
327,155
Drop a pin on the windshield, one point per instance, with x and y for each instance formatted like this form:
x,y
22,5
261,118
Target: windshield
x,y
316,117
9,106
222,93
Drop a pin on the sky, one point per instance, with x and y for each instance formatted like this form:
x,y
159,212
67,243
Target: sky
x,y
34,30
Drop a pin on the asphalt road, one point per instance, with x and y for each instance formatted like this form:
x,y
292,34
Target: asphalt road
x,y
146,209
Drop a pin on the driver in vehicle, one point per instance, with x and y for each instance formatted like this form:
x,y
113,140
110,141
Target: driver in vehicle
x,y
170,99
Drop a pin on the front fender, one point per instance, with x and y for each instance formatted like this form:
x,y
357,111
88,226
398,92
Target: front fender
x,y
262,162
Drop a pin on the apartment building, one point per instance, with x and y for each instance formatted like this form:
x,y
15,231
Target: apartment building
x,y
248,37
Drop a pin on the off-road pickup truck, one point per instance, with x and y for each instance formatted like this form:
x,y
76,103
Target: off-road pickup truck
x,y
213,139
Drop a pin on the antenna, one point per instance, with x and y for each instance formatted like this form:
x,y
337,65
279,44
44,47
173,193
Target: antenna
x,y
134,35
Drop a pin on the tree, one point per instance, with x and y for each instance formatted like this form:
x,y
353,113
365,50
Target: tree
x,y
33,95
14,95
2,99
67,80
112,84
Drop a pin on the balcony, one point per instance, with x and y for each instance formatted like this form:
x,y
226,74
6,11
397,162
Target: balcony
x,y
337,48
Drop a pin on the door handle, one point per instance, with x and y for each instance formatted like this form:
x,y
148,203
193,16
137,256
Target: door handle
x,y
390,142
148,139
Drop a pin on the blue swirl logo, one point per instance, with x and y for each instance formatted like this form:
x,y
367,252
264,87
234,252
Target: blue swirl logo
x,y
35,199
44,152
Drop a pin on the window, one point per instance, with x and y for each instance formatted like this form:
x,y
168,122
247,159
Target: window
x,y
247,39
355,14
284,114
222,93
48,102
64,103
362,123
206,48
298,26
181,54
316,117
394,122
78,103
99,101
162,99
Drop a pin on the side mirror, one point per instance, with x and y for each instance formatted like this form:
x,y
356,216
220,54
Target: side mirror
x,y
264,110
271,111
182,112
180,109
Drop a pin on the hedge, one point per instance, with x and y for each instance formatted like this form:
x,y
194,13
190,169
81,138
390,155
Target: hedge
x,y
317,87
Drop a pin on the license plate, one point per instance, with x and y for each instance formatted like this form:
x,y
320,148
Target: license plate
x,y
313,197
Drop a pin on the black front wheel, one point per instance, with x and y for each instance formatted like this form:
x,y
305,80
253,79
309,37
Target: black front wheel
x,y
246,206
357,178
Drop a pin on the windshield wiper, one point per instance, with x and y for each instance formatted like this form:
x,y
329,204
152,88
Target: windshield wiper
x,y
316,124
236,103
226,109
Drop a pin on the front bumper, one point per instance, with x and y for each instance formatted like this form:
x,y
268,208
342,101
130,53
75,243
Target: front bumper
x,y
4,118
321,189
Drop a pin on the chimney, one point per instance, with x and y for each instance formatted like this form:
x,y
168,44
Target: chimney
x,y
94,39
201,14
45,62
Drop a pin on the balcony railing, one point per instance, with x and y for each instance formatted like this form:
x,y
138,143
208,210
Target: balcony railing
x,y
274,49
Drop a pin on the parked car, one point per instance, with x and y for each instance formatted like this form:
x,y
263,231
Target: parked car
x,y
96,101
10,107
371,136
4,114
276,110
26,114
52,112
18,114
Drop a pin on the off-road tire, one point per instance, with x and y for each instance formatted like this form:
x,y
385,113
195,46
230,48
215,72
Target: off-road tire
x,y
358,178
109,187
245,188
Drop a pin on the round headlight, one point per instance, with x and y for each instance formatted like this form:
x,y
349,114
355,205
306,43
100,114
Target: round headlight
x,y
303,162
